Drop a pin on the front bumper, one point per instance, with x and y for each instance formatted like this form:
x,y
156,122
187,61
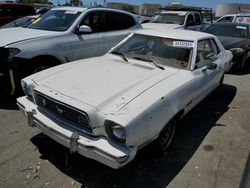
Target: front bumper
x,y
98,148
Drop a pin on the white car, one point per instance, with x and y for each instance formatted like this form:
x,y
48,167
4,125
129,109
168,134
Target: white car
x,y
107,108
243,17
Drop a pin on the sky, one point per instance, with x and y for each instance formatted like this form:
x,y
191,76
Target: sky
x,y
201,3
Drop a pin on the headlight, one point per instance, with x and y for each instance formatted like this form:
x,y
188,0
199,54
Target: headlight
x,y
28,89
12,53
115,131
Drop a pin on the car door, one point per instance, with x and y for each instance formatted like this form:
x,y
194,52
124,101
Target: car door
x,y
85,45
207,69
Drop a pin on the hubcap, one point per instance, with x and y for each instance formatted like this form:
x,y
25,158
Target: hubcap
x,y
167,136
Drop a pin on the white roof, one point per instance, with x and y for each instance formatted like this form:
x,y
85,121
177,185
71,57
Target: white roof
x,y
160,30
173,12
79,9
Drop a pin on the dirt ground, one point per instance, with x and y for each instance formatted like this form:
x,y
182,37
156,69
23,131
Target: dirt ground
x,y
211,149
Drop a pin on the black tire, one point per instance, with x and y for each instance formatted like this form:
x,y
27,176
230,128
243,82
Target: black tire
x,y
164,142
243,62
218,90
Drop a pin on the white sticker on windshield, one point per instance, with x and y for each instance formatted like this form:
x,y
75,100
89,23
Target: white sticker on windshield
x,y
185,44
240,27
71,12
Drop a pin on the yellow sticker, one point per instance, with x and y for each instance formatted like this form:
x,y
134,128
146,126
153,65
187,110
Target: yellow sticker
x,y
36,20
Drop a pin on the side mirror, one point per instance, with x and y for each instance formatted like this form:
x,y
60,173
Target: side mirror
x,y
237,51
84,29
212,66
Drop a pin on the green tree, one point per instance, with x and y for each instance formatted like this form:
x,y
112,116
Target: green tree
x,y
128,8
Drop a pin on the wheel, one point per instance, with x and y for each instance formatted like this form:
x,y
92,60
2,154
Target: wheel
x,y
40,68
164,141
243,61
217,91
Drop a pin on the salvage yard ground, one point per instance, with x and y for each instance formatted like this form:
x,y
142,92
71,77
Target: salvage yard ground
x,y
211,150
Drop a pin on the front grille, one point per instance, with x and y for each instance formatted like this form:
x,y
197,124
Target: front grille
x,y
69,114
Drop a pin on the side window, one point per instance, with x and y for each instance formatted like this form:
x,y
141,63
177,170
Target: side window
x,y
118,21
197,19
207,51
2,11
190,20
226,19
96,21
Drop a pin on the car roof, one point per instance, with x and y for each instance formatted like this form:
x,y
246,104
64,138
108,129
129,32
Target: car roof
x,y
16,4
161,31
79,9
173,12
231,23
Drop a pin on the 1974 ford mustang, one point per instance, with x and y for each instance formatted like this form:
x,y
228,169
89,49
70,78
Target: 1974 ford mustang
x,y
107,108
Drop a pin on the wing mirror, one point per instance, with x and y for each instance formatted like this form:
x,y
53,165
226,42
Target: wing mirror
x,y
212,66
237,51
84,29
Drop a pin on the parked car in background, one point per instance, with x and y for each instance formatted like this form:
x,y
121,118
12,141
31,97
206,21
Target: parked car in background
x,y
107,108
61,35
180,17
234,36
12,11
243,17
21,22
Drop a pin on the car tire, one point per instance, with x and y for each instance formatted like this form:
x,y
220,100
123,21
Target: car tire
x,y
243,62
165,140
219,88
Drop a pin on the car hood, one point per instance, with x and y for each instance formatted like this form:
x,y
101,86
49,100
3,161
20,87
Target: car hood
x,y
18,34
233,42
107,83
161,25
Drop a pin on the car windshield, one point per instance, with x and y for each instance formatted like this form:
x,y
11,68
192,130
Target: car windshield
x,y
169,18
165,51
55,20
238,31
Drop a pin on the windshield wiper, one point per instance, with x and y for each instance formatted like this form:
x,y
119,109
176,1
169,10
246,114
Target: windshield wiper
x,y
149,61
121,55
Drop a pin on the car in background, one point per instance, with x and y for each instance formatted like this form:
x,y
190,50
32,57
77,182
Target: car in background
x,y
243,17
107,108
12,11
180,17
61,35
21,22
234,36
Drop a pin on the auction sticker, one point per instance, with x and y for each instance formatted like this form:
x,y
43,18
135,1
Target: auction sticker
x,y
185,44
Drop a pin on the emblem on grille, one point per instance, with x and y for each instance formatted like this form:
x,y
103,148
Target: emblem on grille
x,y
59,110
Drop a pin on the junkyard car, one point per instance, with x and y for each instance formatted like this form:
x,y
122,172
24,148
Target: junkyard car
x,y
107,108
234,36
61,35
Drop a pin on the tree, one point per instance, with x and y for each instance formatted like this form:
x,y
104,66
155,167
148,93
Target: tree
x,y
128,7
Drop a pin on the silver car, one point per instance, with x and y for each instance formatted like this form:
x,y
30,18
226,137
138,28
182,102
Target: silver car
x,y
61,35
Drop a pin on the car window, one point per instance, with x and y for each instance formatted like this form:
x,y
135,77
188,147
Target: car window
x,y
118,21
55,20
190,20
226,19
96,21
207,52
235,30
197,19
171,18
165,51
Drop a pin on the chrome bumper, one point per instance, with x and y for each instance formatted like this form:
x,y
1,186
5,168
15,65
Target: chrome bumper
x,y
98,148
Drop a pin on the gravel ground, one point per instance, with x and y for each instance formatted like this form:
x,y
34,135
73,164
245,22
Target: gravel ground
x,y
211,149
